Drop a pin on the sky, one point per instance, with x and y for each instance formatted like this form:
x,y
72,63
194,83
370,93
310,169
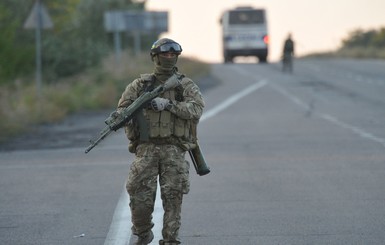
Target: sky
x,y
316,26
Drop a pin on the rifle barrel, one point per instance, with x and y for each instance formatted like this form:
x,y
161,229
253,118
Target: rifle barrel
x,y
106,131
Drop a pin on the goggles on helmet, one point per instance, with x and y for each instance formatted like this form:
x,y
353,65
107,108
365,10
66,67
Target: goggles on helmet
x,y
167,47
170,47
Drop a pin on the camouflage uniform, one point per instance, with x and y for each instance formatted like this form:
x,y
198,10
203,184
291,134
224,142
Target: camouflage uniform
x,y
159,140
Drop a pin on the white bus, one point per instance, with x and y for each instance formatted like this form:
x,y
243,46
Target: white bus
x,y
245,33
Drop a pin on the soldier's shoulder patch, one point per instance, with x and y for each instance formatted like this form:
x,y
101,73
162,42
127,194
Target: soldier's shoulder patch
x,y
186,81
147,77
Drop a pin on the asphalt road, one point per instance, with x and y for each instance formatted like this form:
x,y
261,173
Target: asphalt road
x,y
295,159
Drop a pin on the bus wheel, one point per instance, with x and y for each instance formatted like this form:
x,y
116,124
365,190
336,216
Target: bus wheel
x,y
262,59
228,59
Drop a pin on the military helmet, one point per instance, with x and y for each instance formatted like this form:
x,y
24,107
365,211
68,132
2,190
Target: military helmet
x,y
165,45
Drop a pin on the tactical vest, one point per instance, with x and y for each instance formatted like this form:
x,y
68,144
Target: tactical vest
x,y
159,127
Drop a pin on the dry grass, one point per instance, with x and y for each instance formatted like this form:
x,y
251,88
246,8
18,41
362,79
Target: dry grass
x,y
361,53
354,53
99,88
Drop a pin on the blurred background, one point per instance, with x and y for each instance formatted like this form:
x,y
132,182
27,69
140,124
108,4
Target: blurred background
x,y
317,26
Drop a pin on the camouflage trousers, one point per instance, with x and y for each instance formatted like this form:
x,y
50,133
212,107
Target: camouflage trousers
x,y
166,162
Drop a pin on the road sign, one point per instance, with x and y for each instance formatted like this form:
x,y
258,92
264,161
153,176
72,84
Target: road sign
x,y
38,19
33,19
114,21
136,22
142,21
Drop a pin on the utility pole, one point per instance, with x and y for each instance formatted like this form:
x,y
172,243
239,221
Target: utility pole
x,y
39,22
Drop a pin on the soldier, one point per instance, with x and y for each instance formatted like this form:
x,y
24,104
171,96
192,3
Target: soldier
x,y
159,136
288,53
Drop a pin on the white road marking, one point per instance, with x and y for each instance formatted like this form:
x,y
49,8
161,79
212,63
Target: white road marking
x,y
361,132
232,99
120,232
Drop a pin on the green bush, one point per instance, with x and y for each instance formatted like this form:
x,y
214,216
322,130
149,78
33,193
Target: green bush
x,y
77,41
359,44
365,39
17,50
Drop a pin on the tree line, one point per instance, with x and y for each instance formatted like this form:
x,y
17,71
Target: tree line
x,y
366,44
77,41
359,44
368,38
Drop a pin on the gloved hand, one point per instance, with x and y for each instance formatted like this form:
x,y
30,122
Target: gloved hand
x,y
115,114
114,118
159,104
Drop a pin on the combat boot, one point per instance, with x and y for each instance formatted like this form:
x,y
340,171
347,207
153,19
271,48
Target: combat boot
x,y
144,239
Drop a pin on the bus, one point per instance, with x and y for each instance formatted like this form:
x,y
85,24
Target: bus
x,y
244,31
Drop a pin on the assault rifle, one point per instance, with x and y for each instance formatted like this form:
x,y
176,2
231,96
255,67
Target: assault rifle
x,y
118,119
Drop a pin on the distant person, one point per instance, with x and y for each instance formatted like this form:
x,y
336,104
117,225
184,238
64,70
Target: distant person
x,y
159,136
288,54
